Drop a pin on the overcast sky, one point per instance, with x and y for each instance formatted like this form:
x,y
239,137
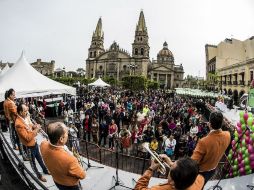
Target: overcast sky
x,y
61,30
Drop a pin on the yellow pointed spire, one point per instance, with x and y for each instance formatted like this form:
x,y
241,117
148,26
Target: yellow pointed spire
x,y
98,31
141,22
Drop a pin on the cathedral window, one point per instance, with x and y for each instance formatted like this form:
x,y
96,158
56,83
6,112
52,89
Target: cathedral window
x,y
91,54
142,51
95,54
141,39
100,67
136,51
124,68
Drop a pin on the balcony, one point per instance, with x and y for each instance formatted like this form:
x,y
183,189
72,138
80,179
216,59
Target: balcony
x,y
242,83
234,82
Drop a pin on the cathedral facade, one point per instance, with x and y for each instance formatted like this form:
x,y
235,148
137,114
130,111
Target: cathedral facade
x,y
117,62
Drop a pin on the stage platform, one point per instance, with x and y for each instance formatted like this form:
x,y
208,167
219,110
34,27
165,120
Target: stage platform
x,y
101,179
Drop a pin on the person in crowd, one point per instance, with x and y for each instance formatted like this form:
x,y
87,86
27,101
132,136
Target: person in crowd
x,y
73,136
193,130
27,134
210,149
125,138
170,144
159,136
70,114
146,110
154,144
77,123
183,175
103,133
112,134
87,125
66,118
63,166
135,140
95,130
148,134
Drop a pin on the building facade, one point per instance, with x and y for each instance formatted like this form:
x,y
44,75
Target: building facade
x,y
117,62
45,68
234,65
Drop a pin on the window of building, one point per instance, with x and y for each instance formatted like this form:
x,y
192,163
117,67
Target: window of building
x,y
91,54
124,67
101,67
142,51
95,54
91,75
136,51
141,39
251,75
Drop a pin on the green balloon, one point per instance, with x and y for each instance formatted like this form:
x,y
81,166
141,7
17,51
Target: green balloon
x,y
250,115
247,167
235,162
241,113
248,172
250,121
230,156
243,127
252,127
252,136
242,120
235,173
236,134
231,152
246,161
243,143
235,167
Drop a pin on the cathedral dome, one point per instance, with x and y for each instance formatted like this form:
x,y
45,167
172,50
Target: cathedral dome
x,y
165,52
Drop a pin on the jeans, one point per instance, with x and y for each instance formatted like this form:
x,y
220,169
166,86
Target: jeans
x,y
33,152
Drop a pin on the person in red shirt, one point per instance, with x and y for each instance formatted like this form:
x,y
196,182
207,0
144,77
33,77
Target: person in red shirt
x,y
87,125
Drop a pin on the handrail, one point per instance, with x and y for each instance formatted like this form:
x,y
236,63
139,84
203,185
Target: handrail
x,y
20,165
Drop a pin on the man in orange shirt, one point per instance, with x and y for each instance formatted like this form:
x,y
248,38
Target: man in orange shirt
x,y
183,175
210,149
10,111
27,134
63,166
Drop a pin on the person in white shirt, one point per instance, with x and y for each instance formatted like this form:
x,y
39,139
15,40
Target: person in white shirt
x,y
170,144
193,130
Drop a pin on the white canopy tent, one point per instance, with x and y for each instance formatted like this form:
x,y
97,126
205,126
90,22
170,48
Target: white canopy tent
x,y
5,69
99,83
27,82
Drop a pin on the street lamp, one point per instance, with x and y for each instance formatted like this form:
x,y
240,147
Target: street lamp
x,y
132,67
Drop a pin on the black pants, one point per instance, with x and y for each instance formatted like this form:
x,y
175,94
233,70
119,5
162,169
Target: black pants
x,y
104,137
33,152
63,187
88,134
207,175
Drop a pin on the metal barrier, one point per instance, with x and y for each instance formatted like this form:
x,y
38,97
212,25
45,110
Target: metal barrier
x,y
24,173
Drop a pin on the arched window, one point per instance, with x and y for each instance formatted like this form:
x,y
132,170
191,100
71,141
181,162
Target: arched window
x,y
101,67
136,51
142,51
94,54
91,54
140,38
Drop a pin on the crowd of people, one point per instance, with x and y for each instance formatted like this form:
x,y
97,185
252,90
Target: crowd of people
x,y
174,127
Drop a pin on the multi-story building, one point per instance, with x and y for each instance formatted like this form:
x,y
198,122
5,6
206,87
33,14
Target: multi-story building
x,y
234,65
117,62
45,68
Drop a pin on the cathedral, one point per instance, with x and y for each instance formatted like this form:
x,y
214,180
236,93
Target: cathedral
x,y
117,62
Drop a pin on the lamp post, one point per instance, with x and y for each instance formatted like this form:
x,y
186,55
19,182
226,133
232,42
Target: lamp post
x,y
132,67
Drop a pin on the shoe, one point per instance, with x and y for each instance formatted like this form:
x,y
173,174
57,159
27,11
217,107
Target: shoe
x,y
47,172
42,179
26,159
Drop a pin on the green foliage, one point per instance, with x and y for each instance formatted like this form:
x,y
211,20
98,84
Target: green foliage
x,y
134,82
152,84
71,81
110,80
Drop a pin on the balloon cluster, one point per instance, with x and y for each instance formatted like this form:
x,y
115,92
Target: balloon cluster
x,y
241,156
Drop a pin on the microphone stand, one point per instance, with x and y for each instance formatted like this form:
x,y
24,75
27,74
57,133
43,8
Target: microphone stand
x,y
89,165
217,187
116,178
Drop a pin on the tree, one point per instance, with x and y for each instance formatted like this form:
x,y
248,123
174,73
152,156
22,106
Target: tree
x,y
134,82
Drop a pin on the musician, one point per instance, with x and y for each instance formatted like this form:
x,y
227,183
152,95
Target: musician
x,y
63,166
27,134
210,149
183,175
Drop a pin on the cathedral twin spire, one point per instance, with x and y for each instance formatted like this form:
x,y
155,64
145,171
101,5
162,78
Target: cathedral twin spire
x,y
140,47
